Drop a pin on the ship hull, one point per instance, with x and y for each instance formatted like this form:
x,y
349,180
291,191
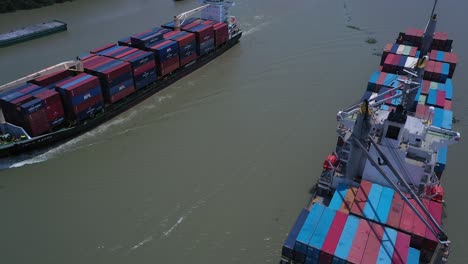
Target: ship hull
x,y
61,136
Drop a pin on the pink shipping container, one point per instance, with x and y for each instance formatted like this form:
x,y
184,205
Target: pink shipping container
x,y
440,101
333,236
448,104
426,85
359,242
400,253
36,123
373,244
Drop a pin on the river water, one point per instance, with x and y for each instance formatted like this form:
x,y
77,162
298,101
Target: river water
x,y
215,168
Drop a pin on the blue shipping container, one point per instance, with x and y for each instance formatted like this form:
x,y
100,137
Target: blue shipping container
x,y
139,58
432,97
90,111
318,237
32,106
288,247
413,256
78,99
338,197
387,247
119,87
308,228
448,89
370,209
79,80
120,79
385,203
346,238
145,79
440,56
447,119
438,118
167,51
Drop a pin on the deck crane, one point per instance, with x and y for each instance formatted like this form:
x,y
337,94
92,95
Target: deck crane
x,y
72,65
179,18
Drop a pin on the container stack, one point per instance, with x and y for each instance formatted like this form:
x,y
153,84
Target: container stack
x,y
187,45
81,96
326,235
382,205
147,38
142,63
436,71
187,22
205,38
115,76
166,53
445,57
413,37
221,32
23,109
395,63
380,80
399,49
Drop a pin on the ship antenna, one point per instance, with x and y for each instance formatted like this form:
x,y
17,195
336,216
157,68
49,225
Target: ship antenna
x,y
433,8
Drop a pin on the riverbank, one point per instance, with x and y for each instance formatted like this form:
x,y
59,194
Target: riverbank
x,y
13,5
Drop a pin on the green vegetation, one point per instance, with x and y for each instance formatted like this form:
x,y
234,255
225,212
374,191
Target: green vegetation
x,y
12,5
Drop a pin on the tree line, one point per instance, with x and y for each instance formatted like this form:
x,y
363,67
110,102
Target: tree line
x,y
12,5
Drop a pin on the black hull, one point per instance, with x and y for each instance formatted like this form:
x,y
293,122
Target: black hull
x,y
51,139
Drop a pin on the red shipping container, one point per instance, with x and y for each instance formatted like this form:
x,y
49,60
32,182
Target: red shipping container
x,y
435,209
419,228
400,253
407,218
53,104
169,66
144,68
333,236
430,241
122,94
110,45
123,54
388,60
448,104
413,51
188,59
359,242
361,198
440,100
396,210
348,200
373,244
36,123
87,56
221,33
80,87
194,23
51,78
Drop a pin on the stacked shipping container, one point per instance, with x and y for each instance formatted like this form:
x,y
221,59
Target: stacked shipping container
x,y
325,235
120,70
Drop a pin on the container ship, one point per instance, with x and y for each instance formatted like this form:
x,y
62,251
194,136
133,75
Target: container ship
x,y
379,198
63,101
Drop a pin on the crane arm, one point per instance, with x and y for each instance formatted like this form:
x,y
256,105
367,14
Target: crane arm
x,y
67,65
187,14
